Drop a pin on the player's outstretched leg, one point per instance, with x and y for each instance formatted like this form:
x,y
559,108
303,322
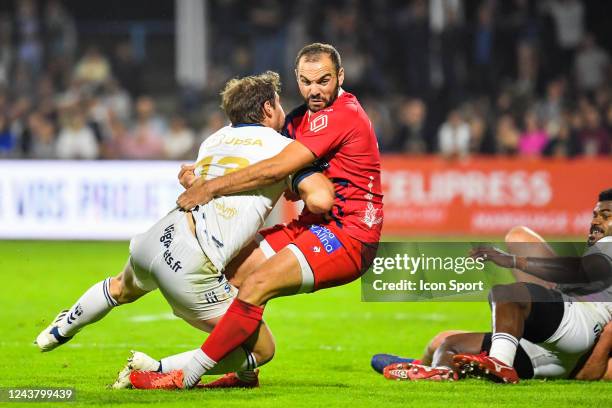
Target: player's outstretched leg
x,y
92,306
281,276
510,308
241,364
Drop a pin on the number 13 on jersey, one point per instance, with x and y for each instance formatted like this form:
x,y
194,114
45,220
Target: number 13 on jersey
x,y
215,166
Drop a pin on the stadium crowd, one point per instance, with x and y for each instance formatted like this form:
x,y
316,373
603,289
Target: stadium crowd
x,y
451,77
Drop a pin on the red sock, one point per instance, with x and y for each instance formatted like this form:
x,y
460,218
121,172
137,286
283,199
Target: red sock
x,y
235,327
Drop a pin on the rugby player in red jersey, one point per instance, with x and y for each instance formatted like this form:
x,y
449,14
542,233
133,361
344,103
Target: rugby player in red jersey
x,y
312,252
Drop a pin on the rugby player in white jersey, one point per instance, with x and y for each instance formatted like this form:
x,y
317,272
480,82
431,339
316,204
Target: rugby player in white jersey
x,y
559,327
185,253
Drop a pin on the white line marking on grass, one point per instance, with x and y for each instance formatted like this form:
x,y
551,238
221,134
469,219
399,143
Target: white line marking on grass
x,y
151,318
287,314
438,317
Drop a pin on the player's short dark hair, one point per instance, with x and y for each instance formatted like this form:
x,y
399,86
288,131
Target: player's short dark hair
x,y
313,51
606,195
242,99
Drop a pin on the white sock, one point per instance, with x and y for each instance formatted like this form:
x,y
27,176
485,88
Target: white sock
x,y
196,367
239,360
91,307
503,347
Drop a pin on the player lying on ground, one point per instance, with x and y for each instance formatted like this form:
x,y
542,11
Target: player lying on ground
x,y
185,253
556,328
313,252
530,362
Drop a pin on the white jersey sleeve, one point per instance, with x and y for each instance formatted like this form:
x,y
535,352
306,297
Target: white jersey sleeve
x,y
226,224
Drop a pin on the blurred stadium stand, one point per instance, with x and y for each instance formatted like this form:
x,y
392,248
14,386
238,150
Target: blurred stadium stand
x,y
97,80
469,99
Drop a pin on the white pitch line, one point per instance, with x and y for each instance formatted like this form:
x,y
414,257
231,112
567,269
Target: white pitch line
x,y
151,318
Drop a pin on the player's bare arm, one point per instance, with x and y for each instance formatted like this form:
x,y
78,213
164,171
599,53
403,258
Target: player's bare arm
x,y
317,192
292,158
596,367
571,270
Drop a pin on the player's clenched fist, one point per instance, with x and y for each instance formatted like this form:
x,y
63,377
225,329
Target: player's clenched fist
x,y
187,175
196,194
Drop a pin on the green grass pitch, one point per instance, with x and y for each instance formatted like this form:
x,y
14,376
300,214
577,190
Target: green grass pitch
x,y
324,343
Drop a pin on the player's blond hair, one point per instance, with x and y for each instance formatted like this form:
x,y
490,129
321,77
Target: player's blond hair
x,y
242,99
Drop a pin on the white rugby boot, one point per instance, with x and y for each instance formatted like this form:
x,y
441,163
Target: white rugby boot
x,y
137,361
49,339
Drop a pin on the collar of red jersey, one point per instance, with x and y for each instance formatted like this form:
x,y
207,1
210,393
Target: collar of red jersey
x,y
340,92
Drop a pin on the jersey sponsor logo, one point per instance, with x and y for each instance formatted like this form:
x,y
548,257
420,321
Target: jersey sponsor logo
x,y
166,238
236,141
319,123
171,262
328,239
218,140
225,211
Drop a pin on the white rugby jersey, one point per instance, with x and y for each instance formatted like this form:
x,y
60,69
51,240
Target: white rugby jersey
x,y
226,224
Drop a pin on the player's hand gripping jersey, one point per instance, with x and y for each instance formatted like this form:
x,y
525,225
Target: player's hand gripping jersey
x,y
342,138
226,224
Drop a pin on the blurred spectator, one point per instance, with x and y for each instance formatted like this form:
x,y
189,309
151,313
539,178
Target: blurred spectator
x,y
527,67
551,107
507,135
563,143
569,23
412,137
268,35
76,140
215,120
60,35
534,139
382,122
481,141
178,143
147,117
594,137
43,139
117,100
93,68
6,50
483,46
413,51
7,138
29,50
146,138
454,136
591,65
127,69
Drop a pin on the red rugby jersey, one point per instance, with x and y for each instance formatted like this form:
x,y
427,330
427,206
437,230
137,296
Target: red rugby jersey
x,y
343,139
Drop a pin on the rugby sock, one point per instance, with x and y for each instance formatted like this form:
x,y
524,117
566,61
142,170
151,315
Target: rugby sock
x,y
503,347
91,307
235,327
198,364
240,359
238,324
